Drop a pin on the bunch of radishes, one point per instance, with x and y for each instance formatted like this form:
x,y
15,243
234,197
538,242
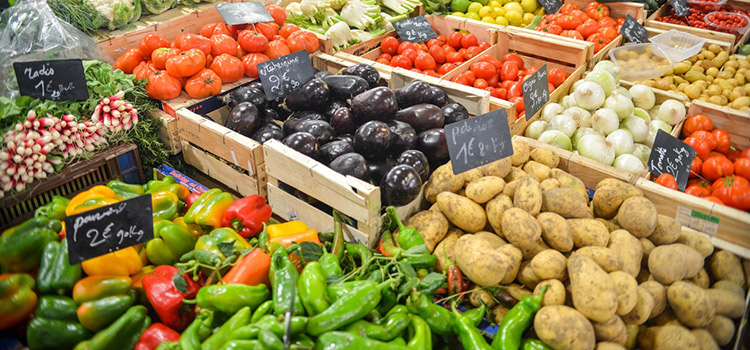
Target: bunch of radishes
x,y
115,113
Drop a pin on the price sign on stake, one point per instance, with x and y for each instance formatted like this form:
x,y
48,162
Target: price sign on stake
x,y
535,92
108,229
58,80
478,141
282,75
634,31
244,13
672,156
415,29
551,6
680,7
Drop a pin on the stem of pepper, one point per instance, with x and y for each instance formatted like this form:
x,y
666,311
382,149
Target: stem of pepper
x,y
338,236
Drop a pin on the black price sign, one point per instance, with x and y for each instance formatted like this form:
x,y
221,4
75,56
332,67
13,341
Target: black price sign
x,y
535,92
282,75
551,6
415,29
59,80
680,7
108,229
672,156
244,13
478,141
634,31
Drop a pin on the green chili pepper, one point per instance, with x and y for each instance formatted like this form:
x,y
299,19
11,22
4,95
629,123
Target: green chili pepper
x,y
476,315
348,308
262,310
277,325
303,340
311,287
388,301
362,253
439,318
348,341
398,341
422,261
330,265
470,337
270,340
197,331
420,337
387,246
391,327
375,276
284,278
243,345
217,340
408,237
534,344
337,290
230,298
516,321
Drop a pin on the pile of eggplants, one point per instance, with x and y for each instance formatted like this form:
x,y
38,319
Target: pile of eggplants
x,y
391,138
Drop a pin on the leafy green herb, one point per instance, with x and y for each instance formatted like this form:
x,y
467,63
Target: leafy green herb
x,y
227,248
180,283
310,251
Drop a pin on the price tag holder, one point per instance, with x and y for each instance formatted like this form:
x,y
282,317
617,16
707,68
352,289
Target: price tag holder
x,y
634,31
672,156
680,7
415,29
110,228
551,6
58,80
282,75
535,92
478,141
244,13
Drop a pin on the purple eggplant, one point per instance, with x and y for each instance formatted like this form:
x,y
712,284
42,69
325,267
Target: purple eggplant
x,y
378,167
344,87
343,122
404,137
375,104
351,164
434,145
365,71
333,149
312,95
303,142
257,84
322,74
422,117
246,94
322,131
454,112
439,97
344,137
400,185
417,160
414,93
243,118
267,132
373,139
332,107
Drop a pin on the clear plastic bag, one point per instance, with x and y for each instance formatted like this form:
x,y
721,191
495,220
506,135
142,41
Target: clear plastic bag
x,y
30,31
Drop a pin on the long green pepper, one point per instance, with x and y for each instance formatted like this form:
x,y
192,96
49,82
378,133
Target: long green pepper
x,y
284,278
311,288
348,308
217,340
197,331
420,337
439,318
348,341
534,344
393,324
470,337
516,321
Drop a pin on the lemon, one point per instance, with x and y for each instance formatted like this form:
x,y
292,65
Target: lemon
x,y
459,14
529,5
488,19
539,11
483,2
495,3
474,7
499,11
501,21
513,6
486,11
473,15
515,18
528,17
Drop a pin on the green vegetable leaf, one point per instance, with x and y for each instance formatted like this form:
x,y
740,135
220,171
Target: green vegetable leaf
x,y
227,248
407,270
310,251
405,288
417,250
180,283
431,283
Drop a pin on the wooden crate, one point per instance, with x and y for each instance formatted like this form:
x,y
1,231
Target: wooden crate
x,y
169,132
476,101
289,170
215,149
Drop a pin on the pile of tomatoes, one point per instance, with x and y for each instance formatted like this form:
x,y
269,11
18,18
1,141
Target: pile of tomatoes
x,y
592,24
201,63
719,172
697,16
435,57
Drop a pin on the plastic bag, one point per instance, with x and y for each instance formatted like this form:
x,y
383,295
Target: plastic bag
x,y
30,31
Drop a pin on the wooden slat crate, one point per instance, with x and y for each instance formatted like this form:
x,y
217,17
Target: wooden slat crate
x,y
476,101
169,132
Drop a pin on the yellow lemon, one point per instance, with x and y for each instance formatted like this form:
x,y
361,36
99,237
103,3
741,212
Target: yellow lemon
x,y
514,18
499,11
539,11
459,14
473,15
495,3
486,11
529,5
513,6
474,7
488,19
528,17
501,21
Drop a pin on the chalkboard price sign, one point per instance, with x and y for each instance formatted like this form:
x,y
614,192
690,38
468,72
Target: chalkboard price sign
x,y
535,92
244,13
282,75
478,141
634,31
110,228
672,156
551,6
58,80
680,7
415,29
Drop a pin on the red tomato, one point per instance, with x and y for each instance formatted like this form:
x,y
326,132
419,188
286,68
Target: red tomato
x,y
250,61
151,42
742,167
437,53
390,45
733,154
470,76
500,93
424,61
581,15
556,76
228,68
704,185
401,61
303,40
714,199
701,147
515,90
745,153
734,191
716,167
203,84
472,51
189,41
251,41
569,22
514,58
159,56
607,22
211,29
722,140
568,9
385,56
383,60
520,106
705,136
442,39
162,86
432,73
433,42
484,70
509,71
454,57
269,29
694,190
276,49
484,45
695,123
287,29
186,63
608,33
129,60
445,68
143,70
572,34
222,43
468,41
454,39
278,14
667,180
480,83
405,46
695,167
411,53
493,81
596,10
460,79
587,28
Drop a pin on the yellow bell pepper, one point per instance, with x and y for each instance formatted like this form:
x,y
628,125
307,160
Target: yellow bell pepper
x,y
193,229
96,192
286,229
93,204
123,262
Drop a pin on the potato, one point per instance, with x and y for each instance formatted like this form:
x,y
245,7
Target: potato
x,y
730,286
526,276
644,276
696,240
638,216
609,346
498,313
444,250
564,328
515,255
473,174
613,330
701,279
667,230
609,195
521,152
555,293
665,318
669,337
495,209
642,310
647,247
726,266
517,291
441,180
632,331
510,188
462,212
705,339
605,257
480,295
545,156
611,225
691,304
594,292
536,248
549,184
515,174
431,225
528,195
549,264
483,265
538,170
722,329
556,231
659,294
674,262
492,239
566,202
588,232
499,168
483,189
727,303
627,291
628,249
520,228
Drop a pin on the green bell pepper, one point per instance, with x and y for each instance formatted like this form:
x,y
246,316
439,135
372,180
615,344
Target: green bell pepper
x,y
123,334
56,275
230,298
156,183
21,246
211,241
348,308
55,325
170,242
54,210
124,190
165,205
311,287
209,208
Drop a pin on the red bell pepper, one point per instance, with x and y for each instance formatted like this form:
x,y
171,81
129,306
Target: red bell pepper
x,y
167,300
156,334
190,199
247,215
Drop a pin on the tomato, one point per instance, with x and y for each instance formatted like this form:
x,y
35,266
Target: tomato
x,y
229,68
507,84
569,22
722,140
222,43
250,62
401,61
520,105
695,123
454,39
515,89
587,28
483,45
212,29
472,51
581,15
745,153
493,81
500,93
484,70
714,200
487,58
405,45
278,14
701,147
514,58
151,42
556,76
694,191
460,79
742,167
716,167
143,70
303,40
204,84
385,56
733,154
568,9
445,68
470,76
469,40
159,56
695,167
509,71
186,63
236,28
390,45
572,34
442,39
480,83
607,22
454,57
162,86
268,29
276,49
251,41
287,29
425,61
734,191
667,180
716,154
608,33
702,184
188,41
706,136
551,28
437,53
383,60
129,60
596,10
433,42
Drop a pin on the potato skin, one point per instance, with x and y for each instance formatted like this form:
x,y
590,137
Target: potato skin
x,y
499,168
526,276
549,184
520,228
588,232
566,202
528,195
667,230
545,156
441,180
705,339
495,209
669,337
727,266
594,293
642,309
515,174
674,262
549,264
515,256
556,231
727,303
462,212
564,328
485,188
609,196
521,152
491,238
483,265
609,346
473,174
722,329
627,291
629,249
605,257
701,279
691,304
555,294
613,330
638,216
431,225
696,240
538,170
659,294
444,250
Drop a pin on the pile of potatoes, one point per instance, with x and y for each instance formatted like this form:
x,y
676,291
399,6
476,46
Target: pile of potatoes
x,y
619,275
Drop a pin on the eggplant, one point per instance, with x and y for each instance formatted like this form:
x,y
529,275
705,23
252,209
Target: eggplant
x,y
344,137
373,139
246,94
400,185
439,97
344,87
332,107
303,142
422,116
374,104
322,74
434,145
378,167
365,71
256,84
311,95
454,112
333,149
307,115
351,164
267,132
243,118
269,115
414,93
417,160
343,122
404,137
322,131
277,105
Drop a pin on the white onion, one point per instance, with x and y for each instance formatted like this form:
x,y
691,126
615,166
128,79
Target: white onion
x,y
588,95
603,79
654,111
641,113
581,116
629,163
672,112
610,67
536,128
556,138
551,110
605,121
620,104
622,141
597,148
580,132
642,152
643,96
564,123
657,124
578,82
636,126
650,139
623,91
